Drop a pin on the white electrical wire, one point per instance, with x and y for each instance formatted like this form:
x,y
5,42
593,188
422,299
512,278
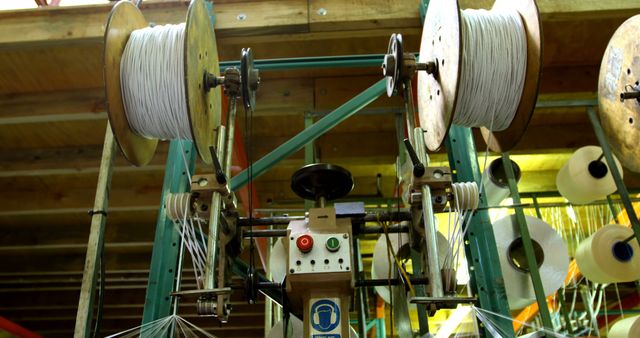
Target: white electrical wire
x,y
494,64
153,84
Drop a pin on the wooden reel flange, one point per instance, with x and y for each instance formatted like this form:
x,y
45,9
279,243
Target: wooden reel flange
x,y
438,92
618,92
201,55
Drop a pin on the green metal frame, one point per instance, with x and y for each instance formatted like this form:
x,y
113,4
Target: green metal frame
x,y
166,245
534,271
309,134
615,173
480,244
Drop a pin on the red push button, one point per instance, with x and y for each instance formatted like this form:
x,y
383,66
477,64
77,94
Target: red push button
x,y
305,243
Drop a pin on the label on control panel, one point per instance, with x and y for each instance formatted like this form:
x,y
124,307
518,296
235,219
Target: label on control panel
x,y
324,317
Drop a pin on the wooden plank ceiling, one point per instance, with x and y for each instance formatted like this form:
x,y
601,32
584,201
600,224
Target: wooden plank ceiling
x,y
52,122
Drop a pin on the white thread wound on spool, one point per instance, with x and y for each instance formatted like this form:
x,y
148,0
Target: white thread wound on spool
x,y
494,65
465,196
597,261
553,269
153,84
577,185
625,328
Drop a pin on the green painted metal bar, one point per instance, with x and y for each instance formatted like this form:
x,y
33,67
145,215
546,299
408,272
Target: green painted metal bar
x,y
527,243
296,143
480,244
536,206
345,61
309,155
565,310
613,210
617,177
166,247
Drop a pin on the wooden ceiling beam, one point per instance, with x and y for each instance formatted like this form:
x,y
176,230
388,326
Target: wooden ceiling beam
x,y
78,24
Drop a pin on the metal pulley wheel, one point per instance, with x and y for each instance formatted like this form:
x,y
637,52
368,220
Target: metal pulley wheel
x,y
392,64
250,80
324,180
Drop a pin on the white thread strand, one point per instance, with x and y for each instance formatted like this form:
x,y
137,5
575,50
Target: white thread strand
x,y
152,83
493,68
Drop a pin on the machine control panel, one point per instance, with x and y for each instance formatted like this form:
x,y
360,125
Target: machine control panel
x,y
333,256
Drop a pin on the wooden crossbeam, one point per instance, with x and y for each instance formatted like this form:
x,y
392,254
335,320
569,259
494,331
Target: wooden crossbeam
x,y
82,24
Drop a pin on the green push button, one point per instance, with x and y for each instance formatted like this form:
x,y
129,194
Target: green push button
x,y
333,244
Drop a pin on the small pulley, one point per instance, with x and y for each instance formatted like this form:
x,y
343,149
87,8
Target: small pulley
x,y
400,67
250,79
391,65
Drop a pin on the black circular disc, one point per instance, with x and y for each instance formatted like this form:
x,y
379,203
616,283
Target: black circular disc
x,y
396,49
322,180
250,79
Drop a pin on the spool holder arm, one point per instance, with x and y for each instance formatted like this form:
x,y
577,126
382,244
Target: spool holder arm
x,y
235,83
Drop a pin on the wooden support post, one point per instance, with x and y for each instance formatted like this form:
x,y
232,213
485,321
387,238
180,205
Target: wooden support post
x,y
96,238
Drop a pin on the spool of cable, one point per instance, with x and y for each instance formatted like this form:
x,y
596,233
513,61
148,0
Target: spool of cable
x,y
154,81
177,206
400,246
618,91
551,254
465,196
625,328
604,257
487,70
586,176
494,180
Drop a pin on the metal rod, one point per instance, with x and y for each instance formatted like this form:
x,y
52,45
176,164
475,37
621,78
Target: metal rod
x,y
265,233
309,155
385,282
231,125
318,129
384,216
615,173
377,229
214,217
629,95
430,231
410,115
96,238
360,293
565,311
420,291
613,210
628,239
527,242
365,230
348,61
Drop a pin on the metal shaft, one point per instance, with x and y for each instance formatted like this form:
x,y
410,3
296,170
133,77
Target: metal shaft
x,y
214,221
430,231
409,111
231,124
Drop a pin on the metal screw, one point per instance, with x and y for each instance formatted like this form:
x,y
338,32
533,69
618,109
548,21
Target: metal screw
x,y
345,236
322,11
241,17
